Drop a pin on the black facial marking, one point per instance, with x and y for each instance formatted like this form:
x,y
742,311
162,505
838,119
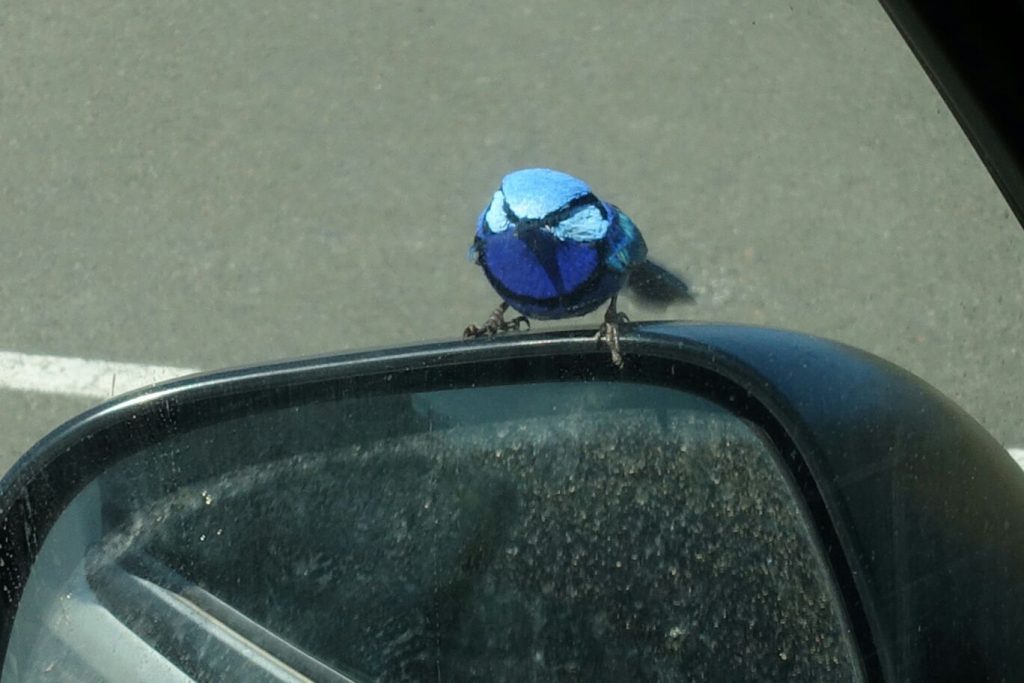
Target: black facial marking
x,y
558,215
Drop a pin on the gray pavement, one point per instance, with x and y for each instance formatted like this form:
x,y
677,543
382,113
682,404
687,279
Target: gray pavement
x,y
215,184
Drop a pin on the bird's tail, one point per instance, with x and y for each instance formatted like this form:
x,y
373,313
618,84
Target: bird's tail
x,y
655,287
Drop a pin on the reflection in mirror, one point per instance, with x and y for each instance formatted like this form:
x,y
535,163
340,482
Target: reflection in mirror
x,y
573,531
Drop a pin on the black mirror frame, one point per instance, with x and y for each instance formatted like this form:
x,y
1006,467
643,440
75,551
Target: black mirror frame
x,y
884,463
969,49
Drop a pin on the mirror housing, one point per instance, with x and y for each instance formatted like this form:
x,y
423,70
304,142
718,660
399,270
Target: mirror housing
x,y
916,509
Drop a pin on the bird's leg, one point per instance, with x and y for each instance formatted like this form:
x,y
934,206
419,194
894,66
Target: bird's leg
x,y
609,331
496,323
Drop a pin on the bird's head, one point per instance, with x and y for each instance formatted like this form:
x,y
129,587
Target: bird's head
x,y
551,201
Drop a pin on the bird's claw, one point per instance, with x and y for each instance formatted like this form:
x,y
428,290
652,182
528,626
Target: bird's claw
x,y
496,324
619,317
609,332
517,323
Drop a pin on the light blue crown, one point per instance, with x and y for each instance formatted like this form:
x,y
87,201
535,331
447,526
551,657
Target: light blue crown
x,y
535,193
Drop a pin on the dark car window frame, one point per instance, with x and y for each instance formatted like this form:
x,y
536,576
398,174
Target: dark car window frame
x,y
972,51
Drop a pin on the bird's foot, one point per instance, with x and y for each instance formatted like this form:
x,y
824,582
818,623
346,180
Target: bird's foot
x,y
496,324
609,332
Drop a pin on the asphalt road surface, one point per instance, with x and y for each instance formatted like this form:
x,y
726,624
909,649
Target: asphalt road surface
x,y
198,185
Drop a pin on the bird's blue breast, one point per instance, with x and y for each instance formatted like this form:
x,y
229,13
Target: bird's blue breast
x,y
544,277
539,266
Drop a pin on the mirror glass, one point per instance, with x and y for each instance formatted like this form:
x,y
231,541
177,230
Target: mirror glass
x,y
554,531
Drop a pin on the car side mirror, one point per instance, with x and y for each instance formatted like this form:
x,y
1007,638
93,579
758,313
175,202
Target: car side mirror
x,y
735,503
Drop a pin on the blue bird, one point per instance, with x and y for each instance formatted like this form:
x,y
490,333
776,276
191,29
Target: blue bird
x,y
551,249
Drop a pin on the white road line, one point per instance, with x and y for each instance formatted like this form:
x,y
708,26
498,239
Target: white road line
x,y
78,376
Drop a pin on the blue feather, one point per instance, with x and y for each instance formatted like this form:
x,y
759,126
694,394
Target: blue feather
x,y
626,246
551,249
536,192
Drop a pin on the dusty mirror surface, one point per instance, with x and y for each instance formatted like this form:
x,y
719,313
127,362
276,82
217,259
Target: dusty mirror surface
x,y
573,531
